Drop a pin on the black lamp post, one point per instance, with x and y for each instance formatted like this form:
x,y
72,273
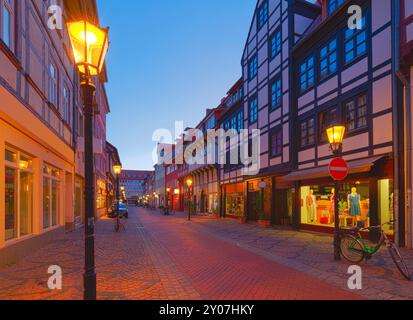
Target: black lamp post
x,y
117,169
189,183
89,44
335,135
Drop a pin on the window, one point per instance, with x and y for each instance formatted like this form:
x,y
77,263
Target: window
x,y
66,105
51,194
211,123
326,119
307,74
275,44
18,195
53,84
276,93
253,110
307,132
276,142
6,16
234,123
240,118
328,59
262,14
356,113
355,42
333,5
253,67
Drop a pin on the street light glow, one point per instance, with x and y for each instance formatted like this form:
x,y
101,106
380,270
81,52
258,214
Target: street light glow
x,y
89,45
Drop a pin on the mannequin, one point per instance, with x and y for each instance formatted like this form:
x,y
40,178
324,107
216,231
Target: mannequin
x,y
311,203
354,205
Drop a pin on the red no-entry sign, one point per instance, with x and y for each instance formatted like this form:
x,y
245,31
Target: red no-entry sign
x,y
338,169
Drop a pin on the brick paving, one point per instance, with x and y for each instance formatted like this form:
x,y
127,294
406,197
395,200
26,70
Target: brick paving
x,y
312,253
160,257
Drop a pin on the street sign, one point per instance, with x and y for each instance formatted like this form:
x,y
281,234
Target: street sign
x,y
338,169
262,184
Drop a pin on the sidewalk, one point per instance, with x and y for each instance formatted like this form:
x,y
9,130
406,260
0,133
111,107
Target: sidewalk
x,y
312,253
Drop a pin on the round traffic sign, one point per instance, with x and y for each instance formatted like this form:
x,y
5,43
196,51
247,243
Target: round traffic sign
x,y
338,169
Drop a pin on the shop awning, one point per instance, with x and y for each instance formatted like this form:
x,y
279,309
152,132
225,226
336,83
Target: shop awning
x,y
355,166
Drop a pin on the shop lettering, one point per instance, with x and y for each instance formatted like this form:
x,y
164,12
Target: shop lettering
x,y
181,311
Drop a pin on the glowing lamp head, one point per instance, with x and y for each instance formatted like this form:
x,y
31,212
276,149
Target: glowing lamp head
x,y
117,169
122,188
168,190
189,183
89,45
335,135
23,164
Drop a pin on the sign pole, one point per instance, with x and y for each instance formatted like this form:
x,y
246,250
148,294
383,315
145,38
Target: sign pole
x,y
338,170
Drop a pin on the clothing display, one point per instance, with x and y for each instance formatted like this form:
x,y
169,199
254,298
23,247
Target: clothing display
x,y
311,203
354,204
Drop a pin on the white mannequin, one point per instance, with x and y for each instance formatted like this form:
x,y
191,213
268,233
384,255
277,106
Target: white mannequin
x,y
311,204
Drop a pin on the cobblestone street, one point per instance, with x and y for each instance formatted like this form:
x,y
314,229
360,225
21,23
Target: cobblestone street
x,y
160,257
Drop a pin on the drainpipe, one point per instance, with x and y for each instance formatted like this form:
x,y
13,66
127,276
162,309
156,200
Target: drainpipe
x,y
397,76
406,81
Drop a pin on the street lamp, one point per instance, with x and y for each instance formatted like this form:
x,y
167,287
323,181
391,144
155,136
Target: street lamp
x,y
117,169
189,183
89,45
335,134
168,190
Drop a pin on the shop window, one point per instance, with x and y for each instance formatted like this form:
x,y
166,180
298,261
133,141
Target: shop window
x,y
51,195
325,120
18,196
386,204
356,113
317,205
11,203
235,204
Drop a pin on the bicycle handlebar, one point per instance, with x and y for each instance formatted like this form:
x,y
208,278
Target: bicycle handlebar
x,y
375,227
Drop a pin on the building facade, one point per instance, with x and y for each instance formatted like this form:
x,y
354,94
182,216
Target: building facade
x,y
134,182
303,69
40,127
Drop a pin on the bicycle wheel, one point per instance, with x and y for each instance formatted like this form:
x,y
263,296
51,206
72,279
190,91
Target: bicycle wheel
x,y
351,249
399,262
116,227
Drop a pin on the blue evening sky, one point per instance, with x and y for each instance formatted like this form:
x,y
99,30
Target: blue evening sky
x,y
168,60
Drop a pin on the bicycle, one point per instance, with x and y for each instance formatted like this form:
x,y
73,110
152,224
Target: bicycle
x,y
119,224
354,249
